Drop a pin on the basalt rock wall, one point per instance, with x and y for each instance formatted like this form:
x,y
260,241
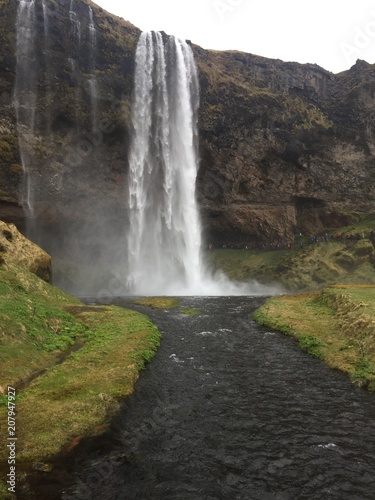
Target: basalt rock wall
x,y
284,147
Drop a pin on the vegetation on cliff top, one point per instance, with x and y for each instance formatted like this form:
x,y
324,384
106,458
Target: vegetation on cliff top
x,y
336,325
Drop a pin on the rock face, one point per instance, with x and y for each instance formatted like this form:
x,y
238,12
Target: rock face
x,y
287,147
284,147
16,249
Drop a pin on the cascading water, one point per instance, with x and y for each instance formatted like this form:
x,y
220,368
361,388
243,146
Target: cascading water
x,y
92,83
75,42
47,62
74,22
164,237
25,97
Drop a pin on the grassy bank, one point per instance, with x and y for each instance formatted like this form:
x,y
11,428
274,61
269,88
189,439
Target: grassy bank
x,y
336,325
312,267
77,397
348,259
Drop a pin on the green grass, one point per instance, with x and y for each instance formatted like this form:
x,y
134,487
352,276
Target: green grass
x,y
33,324
190,311
336,325
158,302
363,225
314,266
79,396
4,493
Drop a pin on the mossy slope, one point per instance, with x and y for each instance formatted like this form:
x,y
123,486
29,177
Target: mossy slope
x,y
77,397
348,259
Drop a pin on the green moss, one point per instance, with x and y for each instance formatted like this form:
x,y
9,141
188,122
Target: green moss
x,y
79,396
8,148
4,493
33,324
189,311
363,247
311,344
345,259
158,302
326,263
311,116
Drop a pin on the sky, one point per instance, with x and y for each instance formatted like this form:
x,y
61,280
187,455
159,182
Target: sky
x,y
330,33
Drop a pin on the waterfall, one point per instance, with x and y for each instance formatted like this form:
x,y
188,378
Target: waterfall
x,y
74,22
92,28
75,48
164,236
92,83
47,62
25,97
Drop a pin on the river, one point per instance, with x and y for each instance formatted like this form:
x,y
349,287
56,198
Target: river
x,y
229,410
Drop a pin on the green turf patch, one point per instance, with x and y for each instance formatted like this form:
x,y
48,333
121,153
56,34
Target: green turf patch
x,y
190,311
158,302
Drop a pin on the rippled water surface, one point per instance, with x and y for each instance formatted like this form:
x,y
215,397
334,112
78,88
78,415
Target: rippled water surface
x,y
230,410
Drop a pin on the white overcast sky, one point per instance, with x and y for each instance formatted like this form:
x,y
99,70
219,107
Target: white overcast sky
x,y
331,33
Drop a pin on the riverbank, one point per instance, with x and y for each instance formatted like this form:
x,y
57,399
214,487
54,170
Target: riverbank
x,y
336,324
70,364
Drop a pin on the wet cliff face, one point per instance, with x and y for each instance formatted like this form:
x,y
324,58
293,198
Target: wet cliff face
x,y
284,147
75,172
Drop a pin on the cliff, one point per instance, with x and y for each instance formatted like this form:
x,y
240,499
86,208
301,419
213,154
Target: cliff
x,y
284,147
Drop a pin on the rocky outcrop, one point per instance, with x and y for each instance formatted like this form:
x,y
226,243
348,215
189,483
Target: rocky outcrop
x,y
284,147
16,249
